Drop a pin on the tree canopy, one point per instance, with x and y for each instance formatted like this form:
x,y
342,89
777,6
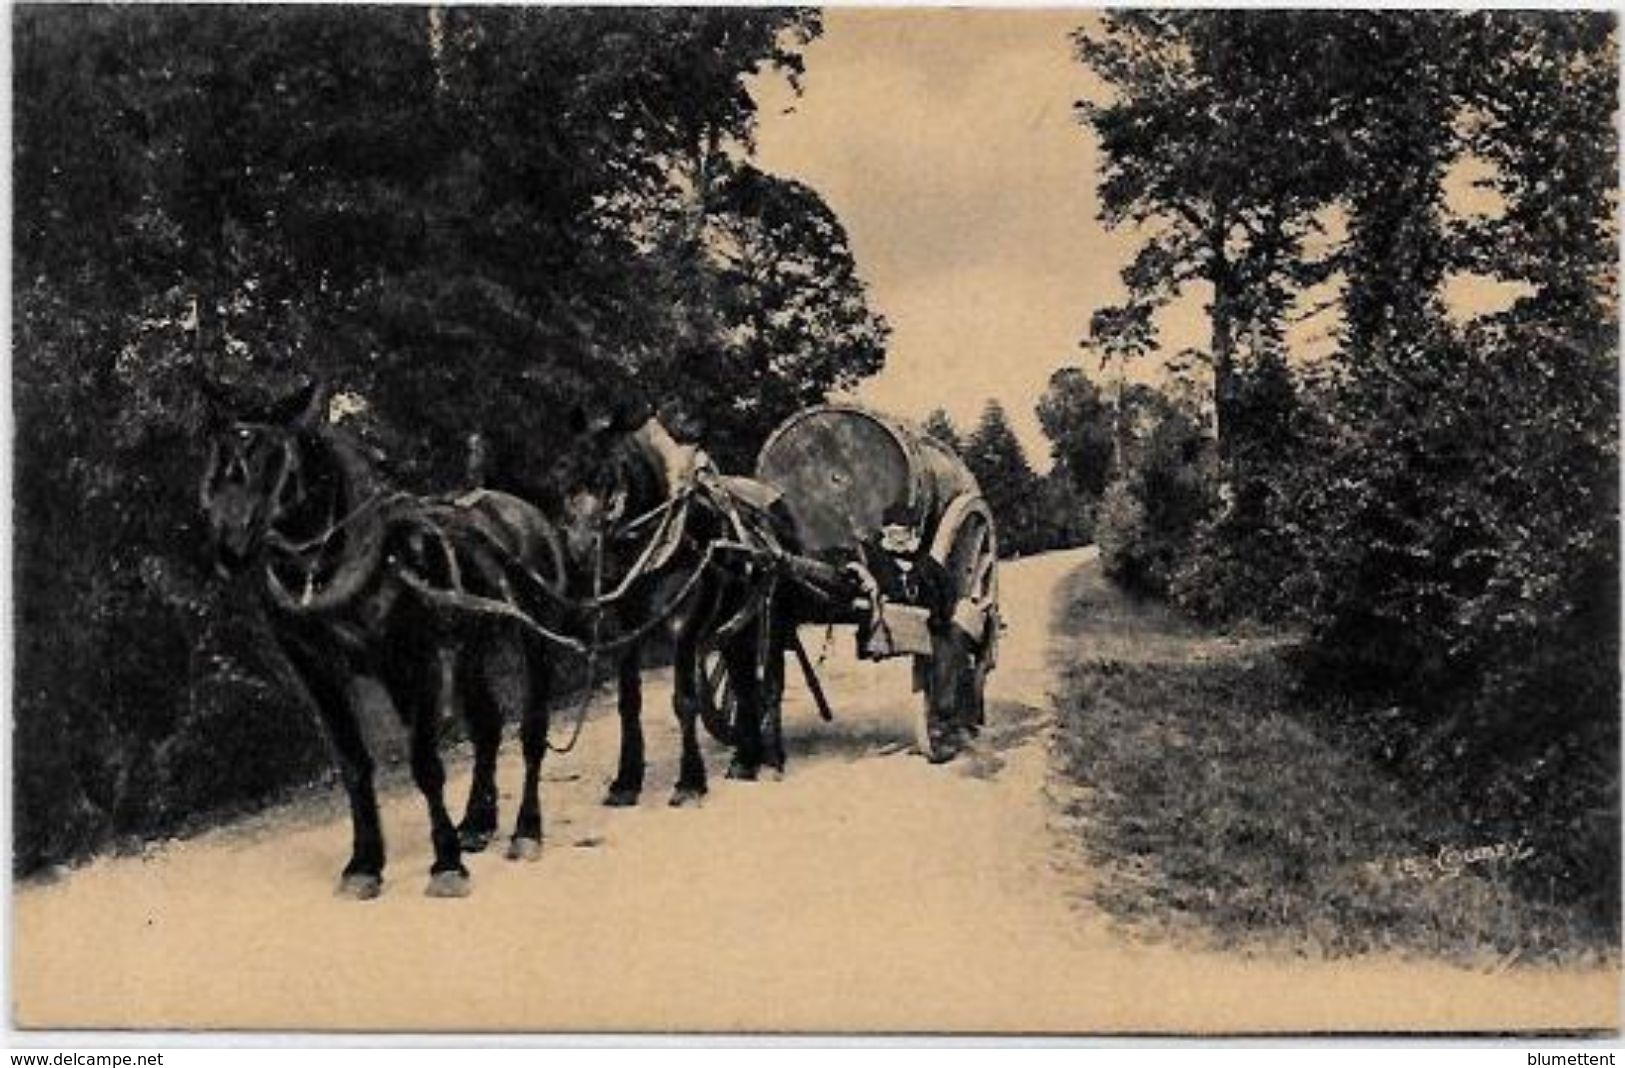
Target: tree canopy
x,y
1213,141
463,219
1437,501
941,426
995,456
1081,426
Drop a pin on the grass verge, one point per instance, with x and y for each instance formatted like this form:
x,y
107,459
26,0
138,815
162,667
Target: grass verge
x,y
1216,809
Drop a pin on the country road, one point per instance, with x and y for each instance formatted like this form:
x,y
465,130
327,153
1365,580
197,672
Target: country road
x,y
866,891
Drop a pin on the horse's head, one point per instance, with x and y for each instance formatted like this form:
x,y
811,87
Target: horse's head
x,y
256,477
600,481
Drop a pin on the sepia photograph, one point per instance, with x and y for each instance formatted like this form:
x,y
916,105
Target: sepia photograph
x,y
915,521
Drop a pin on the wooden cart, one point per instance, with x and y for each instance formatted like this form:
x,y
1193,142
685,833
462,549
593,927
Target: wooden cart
x,y
843,470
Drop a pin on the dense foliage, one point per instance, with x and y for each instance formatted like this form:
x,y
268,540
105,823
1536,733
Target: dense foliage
x,y
1160,492
1034,512
461,218
1437,501
1011,486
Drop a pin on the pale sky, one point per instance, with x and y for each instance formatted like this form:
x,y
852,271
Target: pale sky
x,y
945,140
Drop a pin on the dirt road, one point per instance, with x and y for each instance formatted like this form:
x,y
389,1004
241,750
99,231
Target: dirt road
x,y
866,891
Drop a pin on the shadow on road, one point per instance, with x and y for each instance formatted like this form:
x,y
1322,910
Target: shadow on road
x,y
847,741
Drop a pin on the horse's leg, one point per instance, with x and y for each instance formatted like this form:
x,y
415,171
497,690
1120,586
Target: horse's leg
x,y
526,843
743,656
422,683
363,876
691,785
483,711
628,782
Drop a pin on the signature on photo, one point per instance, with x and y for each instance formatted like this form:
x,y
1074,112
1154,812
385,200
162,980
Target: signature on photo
x,y
1453,861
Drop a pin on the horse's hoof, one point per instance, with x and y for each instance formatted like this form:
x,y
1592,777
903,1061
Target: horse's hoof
x,y
683,796
449,884
743,772
360,886
621,797
525,849
473,841
775,773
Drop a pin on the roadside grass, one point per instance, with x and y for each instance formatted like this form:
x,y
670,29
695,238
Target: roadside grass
x,y
1216,810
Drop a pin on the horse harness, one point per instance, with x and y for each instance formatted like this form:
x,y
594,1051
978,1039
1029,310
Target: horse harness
x,y
342,576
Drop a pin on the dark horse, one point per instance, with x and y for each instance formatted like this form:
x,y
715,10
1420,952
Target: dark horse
x,y
343,568
646,551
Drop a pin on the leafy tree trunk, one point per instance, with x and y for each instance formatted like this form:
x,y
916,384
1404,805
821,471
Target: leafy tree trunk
x,y
1225,303
1401,126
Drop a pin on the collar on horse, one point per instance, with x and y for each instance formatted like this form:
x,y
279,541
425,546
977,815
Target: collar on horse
x,y
362,530
362,548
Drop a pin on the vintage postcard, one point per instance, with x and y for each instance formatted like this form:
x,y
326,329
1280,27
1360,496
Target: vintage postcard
x,y
1060,521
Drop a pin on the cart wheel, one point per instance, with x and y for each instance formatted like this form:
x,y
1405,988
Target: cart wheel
x,y
974,564
717,701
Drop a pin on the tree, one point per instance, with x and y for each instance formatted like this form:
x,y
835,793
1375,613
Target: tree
x,y
1248,556
1539,108
1081,426
1008,482
788,318
1160,494
1441,500
940,426
464,219
1066,517
1461,512
1208,135
1396,111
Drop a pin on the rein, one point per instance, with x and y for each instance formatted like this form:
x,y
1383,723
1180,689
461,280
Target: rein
x,y
673,512
672,515
319,541
591,688
462,600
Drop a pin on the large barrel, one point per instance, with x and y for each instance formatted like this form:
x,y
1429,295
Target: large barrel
x,y
841,467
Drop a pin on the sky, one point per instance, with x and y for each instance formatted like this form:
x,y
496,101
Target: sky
x,y
945,140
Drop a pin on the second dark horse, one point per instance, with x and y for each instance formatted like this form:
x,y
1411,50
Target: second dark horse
x,y
645,549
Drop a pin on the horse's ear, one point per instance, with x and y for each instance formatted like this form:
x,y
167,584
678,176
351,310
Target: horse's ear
x,y
318,398
630,413
305,407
